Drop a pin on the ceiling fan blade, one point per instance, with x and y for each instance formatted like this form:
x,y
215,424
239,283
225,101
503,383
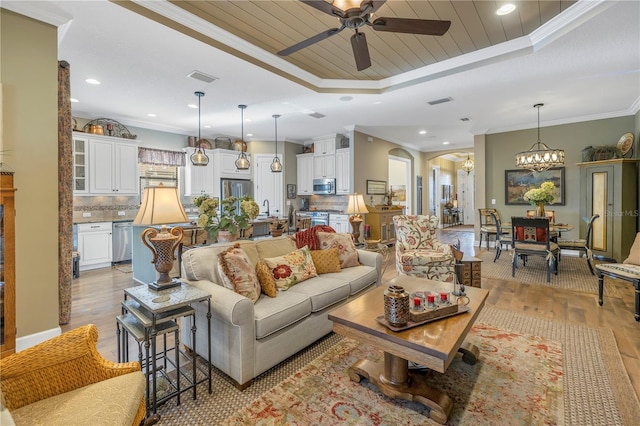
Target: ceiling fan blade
x,y
373,4
360,51
311,40
325,7
411,26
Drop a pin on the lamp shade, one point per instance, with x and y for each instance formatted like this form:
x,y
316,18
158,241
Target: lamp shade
x,y
160,205
356,205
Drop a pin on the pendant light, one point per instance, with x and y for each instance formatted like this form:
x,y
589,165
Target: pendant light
x,y
539,157
242,163
199,157
468,164
276,165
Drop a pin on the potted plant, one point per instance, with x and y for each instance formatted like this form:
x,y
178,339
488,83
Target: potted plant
x,y
539,196
226,226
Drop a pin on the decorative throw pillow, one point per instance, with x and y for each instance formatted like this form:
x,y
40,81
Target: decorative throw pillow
x,y
344,243
292,268
267,283
634,253
239,272
326,261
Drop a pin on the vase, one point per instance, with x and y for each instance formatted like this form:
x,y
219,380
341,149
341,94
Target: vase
x,y
226,236
540,209
396,306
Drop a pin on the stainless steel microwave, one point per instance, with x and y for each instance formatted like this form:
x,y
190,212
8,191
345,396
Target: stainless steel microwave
x,y
324,186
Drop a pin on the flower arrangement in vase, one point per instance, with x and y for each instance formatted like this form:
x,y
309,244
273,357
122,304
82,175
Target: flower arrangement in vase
x,y
539,196
229,222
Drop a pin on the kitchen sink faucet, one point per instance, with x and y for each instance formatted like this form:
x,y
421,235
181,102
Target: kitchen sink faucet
x,y
267,203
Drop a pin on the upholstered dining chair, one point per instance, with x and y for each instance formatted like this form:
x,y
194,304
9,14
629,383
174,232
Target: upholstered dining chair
x,y
419,253
530,236
487,224
502,238
581,245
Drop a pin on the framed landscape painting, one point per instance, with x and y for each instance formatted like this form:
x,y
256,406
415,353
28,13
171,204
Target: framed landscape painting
x,y
517,182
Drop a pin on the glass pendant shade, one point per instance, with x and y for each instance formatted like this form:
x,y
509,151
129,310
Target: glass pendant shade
x,y
276,165
468,164
539,157
199,157
242,163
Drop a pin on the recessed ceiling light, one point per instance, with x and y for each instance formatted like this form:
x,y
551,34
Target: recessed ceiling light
x,y
151,115
207,126
446,143
92,81
506,9
194,106
248,120
249,134
377,102
74,100
423,132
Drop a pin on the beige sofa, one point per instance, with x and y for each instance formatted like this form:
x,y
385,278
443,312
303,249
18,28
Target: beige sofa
x,y
248,339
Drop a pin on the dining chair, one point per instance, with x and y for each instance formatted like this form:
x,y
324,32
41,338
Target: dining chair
x,y
502,238
530,237
582,245
487,224
550,214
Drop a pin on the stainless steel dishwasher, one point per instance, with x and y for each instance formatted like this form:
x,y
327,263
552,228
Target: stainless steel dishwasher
x,y
121,243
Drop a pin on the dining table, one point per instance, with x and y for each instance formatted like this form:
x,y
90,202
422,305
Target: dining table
x,y
556,229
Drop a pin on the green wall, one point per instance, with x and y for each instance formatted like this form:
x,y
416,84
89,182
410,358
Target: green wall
x,y
29,77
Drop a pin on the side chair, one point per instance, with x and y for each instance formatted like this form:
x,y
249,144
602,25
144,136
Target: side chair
x,y
502,238
531,238
582,245
487,224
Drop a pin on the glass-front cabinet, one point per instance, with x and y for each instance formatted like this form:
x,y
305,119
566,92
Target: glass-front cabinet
x,y
7,266
80,160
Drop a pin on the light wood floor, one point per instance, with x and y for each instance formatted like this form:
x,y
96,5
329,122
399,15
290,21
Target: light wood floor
x,y
97,295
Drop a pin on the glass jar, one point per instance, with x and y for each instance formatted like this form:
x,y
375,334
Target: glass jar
x,y
396,306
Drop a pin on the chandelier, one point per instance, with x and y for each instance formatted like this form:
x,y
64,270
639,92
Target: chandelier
x,y
199,157
539,157
242,163
276,165
468,164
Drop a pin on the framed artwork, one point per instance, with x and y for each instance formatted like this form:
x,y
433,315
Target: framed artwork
x,y
376,187
291,190
517,182
399,192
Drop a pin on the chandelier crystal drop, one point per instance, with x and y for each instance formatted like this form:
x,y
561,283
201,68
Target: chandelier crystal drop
x,y
539,157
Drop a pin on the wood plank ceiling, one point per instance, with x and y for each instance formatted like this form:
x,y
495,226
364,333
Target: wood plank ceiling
x,y
275,25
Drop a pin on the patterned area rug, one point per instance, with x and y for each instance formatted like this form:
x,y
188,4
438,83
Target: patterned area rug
x,y
530,371
573,272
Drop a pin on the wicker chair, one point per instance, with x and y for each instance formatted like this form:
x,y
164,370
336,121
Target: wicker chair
x,y
418,251
34,383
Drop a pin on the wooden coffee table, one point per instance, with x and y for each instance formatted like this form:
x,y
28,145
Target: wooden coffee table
x,y
433,345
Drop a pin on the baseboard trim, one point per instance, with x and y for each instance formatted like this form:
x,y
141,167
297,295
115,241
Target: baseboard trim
x,y
25,342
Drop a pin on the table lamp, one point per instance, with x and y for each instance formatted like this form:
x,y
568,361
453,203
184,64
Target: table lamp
x,y
161,205
356,207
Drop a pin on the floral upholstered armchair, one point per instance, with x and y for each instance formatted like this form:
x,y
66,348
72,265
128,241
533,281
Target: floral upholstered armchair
x,y
418,251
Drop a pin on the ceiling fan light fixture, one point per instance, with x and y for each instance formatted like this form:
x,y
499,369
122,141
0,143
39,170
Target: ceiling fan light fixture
x,y
242,163
199,157
539,157
276,165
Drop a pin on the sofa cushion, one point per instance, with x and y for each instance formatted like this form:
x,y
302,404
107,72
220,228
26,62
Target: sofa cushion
x,y
326,261
238,274
201,263
274,247
292,268
323,291
109,402
634,253
267,283
344,243
359,277
273,314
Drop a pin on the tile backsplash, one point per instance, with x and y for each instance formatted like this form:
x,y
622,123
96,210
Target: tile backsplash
x,y
104,208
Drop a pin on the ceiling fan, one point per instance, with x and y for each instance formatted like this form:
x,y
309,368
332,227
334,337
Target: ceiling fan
x,y
355,17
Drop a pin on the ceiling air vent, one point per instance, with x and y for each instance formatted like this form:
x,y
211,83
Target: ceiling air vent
x,y
316,115
197,75
465,119
440,101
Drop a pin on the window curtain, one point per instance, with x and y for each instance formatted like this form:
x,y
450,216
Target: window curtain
x,y
161,157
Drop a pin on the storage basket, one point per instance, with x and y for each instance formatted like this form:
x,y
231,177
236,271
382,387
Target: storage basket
x,y
224,143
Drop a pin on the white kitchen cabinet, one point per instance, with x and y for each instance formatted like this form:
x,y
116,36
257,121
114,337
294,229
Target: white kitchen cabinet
x,y
324,166
324,146
343,171
94,245
305,174
198,180
80,165
340,222
225,164
113,167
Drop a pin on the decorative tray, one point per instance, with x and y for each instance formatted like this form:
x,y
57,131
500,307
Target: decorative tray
x,y
461,309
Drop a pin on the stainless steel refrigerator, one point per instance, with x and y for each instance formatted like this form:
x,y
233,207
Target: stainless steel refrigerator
x,y
237,188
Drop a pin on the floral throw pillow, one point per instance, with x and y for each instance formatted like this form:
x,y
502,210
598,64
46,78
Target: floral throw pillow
x,y
238,273
267,283
344,243
292,268
326,261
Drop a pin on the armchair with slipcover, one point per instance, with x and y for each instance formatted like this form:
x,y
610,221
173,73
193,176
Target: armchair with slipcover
x,y
419,253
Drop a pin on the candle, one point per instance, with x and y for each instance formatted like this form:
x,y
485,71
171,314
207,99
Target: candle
x,y
416,302
431,298
443,297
